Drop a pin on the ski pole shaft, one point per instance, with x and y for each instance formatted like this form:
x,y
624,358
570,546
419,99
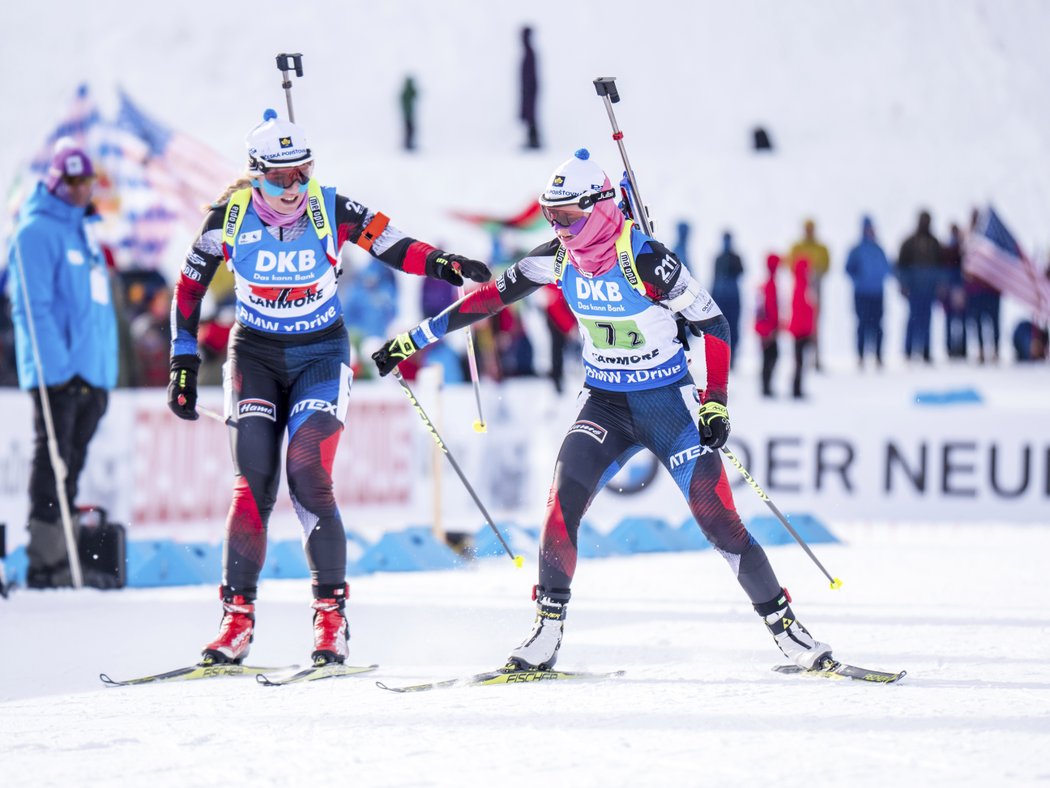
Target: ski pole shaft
x,y
472,362
213,415
285,63
517,559
606,88
835,582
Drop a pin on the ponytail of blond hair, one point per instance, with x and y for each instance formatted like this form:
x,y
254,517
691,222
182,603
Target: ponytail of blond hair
x,y
243,182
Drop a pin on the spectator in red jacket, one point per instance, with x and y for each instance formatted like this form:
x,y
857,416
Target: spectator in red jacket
x,y
803,322
767,323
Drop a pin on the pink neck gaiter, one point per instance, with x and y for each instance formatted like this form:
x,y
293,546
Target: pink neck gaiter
x,y
593,251
273,218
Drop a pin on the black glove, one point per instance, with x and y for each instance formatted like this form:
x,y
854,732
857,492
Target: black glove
x,y
713,425
393,353
448,266
182,390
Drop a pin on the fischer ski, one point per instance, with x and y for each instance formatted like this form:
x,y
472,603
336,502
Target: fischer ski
x,y
313,673
503,676
198,671
832,669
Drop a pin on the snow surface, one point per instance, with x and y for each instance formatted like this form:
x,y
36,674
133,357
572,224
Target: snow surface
x,y
962,609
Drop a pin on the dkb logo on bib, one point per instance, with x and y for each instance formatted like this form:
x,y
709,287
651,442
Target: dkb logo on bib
x,y
286,262
598,291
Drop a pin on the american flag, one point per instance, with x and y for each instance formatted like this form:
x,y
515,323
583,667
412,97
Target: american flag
x,y
192,173
992,254
150,178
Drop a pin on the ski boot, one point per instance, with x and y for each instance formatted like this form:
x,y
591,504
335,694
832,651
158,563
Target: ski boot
x,y
331,630
791,637
539,651
236,632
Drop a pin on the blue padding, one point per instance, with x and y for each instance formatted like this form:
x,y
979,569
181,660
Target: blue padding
x,y
647,535
691,537
162,563
950,397
208,558
356,547
285,560
413,549
16,565
522,540
591,543
769,531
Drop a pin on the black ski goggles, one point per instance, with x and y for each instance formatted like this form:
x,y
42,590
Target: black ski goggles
x,y
568,213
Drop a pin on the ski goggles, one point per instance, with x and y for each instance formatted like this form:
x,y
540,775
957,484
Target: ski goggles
x,y
573,214
279,179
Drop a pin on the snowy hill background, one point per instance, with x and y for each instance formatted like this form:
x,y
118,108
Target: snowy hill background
x,y
880,108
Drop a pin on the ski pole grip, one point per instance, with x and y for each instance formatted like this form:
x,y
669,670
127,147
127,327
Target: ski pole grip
x,y
606,86
290,62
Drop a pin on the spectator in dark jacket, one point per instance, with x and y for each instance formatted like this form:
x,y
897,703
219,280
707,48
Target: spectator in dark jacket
x,y
919,269
726,291
953,295
407,99
982,311
868,268
529,89
767,324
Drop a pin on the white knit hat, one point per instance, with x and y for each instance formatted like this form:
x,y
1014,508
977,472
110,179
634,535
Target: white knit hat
x,y
276,143
574,178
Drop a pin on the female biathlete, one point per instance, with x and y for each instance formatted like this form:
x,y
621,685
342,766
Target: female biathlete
x,y
279,231
636,306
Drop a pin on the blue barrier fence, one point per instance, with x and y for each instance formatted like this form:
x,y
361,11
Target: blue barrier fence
x,y
164,562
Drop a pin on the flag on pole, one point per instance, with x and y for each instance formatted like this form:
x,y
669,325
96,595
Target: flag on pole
x,y
187,170
992,254
151,179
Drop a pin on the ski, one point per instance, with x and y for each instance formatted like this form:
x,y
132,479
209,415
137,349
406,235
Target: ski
x,y
197,671
313,673
832,669
503,676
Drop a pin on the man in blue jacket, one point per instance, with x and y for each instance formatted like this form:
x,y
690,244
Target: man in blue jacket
x,y
869,268
57,265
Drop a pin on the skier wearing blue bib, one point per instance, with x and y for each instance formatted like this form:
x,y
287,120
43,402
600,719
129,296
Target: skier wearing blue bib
x,y
279,231
630,295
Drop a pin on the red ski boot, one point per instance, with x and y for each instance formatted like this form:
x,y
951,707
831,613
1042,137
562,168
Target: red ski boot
x,y
236,632
331,631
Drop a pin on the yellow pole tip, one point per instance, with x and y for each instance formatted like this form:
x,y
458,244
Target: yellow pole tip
x,y
836,584
519,561
479,426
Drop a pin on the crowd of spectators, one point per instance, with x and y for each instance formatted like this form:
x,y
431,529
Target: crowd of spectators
x,y
926,272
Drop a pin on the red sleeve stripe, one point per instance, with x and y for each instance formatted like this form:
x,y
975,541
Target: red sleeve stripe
x,y
716,352
188,295
416,258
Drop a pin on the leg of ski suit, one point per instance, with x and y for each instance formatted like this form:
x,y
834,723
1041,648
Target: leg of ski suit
x,y
318,403
610,428
271,386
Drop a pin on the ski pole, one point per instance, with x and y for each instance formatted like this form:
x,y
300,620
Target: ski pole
x,y
286,63
606,88
214,415
472,362
517,559
835,582
58,465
